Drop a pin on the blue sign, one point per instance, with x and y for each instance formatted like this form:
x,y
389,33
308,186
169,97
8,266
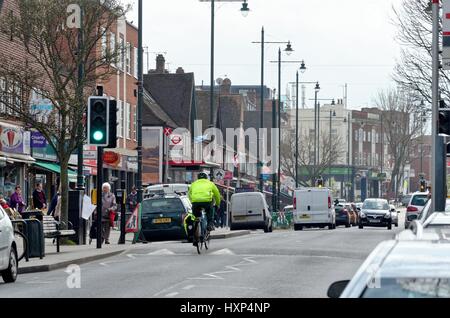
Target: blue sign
x,y
266,177
38,140
241,190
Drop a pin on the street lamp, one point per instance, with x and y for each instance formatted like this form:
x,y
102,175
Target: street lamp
x,y
332,114
348,120
244,10
302,70
316,91
261,124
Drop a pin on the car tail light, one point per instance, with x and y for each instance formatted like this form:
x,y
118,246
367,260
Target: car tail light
x,y
412,209
295,203
329,202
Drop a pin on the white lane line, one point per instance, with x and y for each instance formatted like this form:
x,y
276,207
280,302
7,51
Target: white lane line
x,y
172,294
188,287
164,251
224,251
167,289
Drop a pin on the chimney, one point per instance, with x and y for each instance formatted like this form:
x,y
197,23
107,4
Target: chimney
x,y
180,70
160,64
225,88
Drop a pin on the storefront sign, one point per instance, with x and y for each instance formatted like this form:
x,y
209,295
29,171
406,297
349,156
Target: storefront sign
x,y
13,139
38,140
111,158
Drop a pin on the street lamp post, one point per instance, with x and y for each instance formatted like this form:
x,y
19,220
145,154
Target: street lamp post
x,y
80,178
140,101
332,114
244,10
348,120
302,69
316,91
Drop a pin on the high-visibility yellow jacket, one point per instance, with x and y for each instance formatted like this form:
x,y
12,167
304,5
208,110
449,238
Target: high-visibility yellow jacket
x,y
204,190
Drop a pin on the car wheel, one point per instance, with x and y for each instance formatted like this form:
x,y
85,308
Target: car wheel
x,y
396,224
389,227
360,226
348,224
331,227
10,274
298,227
232,227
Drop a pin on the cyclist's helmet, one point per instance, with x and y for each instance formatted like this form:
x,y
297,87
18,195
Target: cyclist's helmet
x,y
202,175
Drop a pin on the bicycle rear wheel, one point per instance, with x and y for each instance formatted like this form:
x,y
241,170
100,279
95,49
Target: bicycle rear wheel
x,y
21,244
197,233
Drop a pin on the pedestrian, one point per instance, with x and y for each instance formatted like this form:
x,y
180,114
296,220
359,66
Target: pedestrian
x,y
15,201
57,209
39,200
52,206
223,208
109,208
132,200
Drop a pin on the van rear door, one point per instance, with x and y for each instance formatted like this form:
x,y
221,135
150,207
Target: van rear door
x,y
239,208
320,205
255,208
303,205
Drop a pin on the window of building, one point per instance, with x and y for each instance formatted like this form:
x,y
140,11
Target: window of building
x,y
2,95
356,135
134,123
122,54
128,58
112,47
135,63
368,136
127,120
104,42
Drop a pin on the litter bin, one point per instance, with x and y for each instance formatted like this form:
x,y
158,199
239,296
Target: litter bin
x,y
34,233
35,214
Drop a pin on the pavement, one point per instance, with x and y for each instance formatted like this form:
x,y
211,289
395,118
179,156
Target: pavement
x,y
80,254
281,264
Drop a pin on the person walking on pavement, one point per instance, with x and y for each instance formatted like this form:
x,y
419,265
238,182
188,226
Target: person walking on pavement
x,y
54,202
39,200
201,194
16,201
132,199
109,206
223,208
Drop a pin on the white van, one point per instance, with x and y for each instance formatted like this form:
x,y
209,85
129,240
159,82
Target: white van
x,y
249,210
313,207
163,189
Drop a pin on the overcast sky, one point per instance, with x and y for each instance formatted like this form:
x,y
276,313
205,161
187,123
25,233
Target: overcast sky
x,y
347,41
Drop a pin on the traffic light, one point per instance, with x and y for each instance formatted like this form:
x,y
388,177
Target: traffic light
x,y
423,185
444,119
98,121
320,182
112,136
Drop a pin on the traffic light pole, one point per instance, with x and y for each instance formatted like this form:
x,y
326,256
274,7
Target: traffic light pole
x,y
99,186
438,184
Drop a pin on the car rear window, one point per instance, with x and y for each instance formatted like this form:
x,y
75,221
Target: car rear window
x,y
420,200
162,205
375,205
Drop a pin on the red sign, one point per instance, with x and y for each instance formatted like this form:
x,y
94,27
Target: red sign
x,y
176,140
110,157
228,175
167,131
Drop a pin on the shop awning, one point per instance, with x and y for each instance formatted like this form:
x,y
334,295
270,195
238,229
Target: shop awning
x,y
15,157
53,167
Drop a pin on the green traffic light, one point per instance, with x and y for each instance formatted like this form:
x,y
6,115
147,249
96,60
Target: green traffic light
x,y
98,135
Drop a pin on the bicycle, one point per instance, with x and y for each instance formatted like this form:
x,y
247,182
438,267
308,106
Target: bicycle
x,y
201,233
21,244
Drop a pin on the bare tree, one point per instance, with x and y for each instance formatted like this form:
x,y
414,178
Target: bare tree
x,y
330,154
398,111
413,70
50,67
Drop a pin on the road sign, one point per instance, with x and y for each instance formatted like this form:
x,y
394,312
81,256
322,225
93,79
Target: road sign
x,y
219,174
228,175
265,177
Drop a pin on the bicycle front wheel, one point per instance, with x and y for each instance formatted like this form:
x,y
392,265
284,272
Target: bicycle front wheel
x,y
21,243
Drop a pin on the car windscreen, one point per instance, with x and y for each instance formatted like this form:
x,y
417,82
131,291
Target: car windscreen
x,y
375,205
419,200
411,287
162,205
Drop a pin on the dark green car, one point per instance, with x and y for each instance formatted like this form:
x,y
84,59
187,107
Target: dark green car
x,y
162,217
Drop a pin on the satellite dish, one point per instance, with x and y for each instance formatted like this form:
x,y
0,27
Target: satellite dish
x,y
219,81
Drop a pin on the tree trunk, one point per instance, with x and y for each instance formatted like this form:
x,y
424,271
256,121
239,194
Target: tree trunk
x,y
64,192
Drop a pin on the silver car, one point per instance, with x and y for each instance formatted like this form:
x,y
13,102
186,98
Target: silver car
x,y
401,269
8,252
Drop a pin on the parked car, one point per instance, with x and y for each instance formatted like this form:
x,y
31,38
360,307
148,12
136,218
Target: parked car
x,y
313,207
164,189
426,211
344,215
358,205
375,212
401,269
162,217
249,210
405,199
415,206
394,214
9,264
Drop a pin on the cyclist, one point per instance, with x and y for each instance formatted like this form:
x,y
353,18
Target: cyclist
x,y
201,194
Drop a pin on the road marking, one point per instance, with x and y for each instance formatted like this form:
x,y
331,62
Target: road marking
x,y
172,294
167,289
214,275
164,251
224,251
188,287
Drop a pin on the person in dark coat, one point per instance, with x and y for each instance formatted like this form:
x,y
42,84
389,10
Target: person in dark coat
x,y
39,199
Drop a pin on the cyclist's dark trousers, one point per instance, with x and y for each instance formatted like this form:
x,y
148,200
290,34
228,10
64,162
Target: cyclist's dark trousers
x,y
197,210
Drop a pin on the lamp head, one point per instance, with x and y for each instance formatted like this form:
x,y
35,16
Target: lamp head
x,y
303,67
288,48
245,10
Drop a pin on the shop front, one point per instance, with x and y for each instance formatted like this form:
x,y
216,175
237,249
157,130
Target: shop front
x,y
14,158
